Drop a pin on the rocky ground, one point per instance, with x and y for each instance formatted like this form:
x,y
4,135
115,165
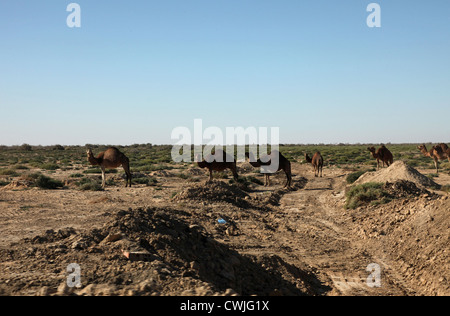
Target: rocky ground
x,y
202,238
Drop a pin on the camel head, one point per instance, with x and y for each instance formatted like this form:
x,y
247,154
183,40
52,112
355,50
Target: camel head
x,y
89,153
201,163
307,158
422,147
371,149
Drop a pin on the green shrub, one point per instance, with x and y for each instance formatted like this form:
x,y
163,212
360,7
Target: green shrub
x,y
45,182
20,167
144,180
8,172
352,177
446,188
366,193
87,184
49,166
76,175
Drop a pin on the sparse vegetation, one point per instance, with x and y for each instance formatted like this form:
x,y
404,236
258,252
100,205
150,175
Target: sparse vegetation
x,y
352,177
88,184
45,182
8,172
446,188
365,194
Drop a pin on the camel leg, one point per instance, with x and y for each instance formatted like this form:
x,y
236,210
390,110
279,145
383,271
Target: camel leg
x,y
103,178
288,181
321,172
235,175
126,168
210,175
436,163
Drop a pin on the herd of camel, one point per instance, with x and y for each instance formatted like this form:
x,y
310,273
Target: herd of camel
x,y
112,158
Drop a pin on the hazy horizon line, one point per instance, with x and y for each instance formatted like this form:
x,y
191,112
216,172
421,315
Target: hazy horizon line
x,y
217,145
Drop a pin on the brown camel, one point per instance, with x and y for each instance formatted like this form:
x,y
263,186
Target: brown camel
x,y
445,149
112,158
228,162
317,162
382,154
266,161
436,153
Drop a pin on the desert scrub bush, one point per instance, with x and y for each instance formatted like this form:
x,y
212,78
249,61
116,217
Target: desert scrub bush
x,y
8,172
3,183
76,175
88,184
20,167
45,182
144,180
366,193
49,166
352,177
446,188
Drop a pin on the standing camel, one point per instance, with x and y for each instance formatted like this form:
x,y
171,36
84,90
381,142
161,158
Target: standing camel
x,y
382,154
112,158
436,153
266,162
317,162
227,162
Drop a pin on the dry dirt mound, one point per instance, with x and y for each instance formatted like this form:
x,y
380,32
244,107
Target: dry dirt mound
x,y
399,170
402,189
153,251
414,239
214,191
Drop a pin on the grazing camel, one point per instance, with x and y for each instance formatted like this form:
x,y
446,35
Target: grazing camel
x,y
283,164
228,162
112,158
436,153
445,149
382,154
317,162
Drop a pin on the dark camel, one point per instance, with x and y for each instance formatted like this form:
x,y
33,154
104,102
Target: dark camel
x,y
266,161
112,158
317,162
228,162
382,154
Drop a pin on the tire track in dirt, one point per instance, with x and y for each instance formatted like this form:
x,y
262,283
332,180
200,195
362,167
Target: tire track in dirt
x,y
321,233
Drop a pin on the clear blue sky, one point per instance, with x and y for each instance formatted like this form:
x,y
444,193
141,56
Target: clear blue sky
x,y
135,70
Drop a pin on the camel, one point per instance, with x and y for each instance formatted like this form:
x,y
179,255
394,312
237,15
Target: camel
x,y
112,158
228,162
382,154
266,161
440,152
445,149
317,162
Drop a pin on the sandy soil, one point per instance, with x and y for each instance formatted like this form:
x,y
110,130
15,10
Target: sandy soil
x,y
216,239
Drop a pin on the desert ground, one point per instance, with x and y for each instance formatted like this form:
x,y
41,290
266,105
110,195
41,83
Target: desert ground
x,y
179,234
